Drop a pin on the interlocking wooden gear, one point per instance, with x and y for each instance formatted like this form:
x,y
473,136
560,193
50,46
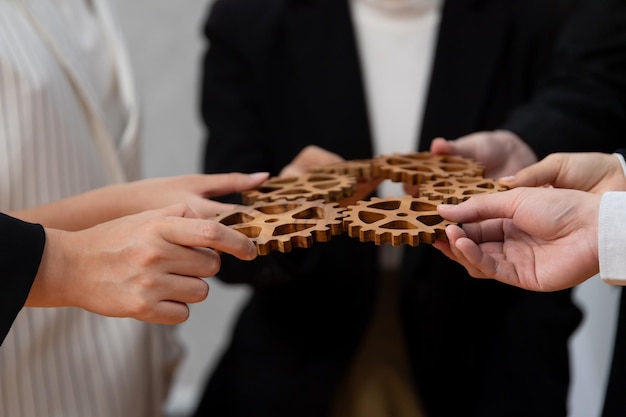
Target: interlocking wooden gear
x,y
396,221
311,186
417,167
454,190
296,211
359,168
286,224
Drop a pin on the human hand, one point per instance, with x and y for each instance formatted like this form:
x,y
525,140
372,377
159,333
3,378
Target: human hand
x,y
501,152
541,239
193,190
310,156
147,266
592,171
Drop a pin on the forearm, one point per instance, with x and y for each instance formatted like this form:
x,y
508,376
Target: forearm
x,y
83,210
582,103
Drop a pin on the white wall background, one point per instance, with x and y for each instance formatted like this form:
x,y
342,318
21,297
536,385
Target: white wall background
x,y
164,38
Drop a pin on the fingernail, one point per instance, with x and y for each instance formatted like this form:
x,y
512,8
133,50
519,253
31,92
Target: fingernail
x,y
510,178
259,175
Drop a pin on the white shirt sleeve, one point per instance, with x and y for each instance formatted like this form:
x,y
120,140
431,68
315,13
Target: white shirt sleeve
x,y
612,238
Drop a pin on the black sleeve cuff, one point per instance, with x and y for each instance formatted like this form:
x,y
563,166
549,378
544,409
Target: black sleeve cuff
x,y
21,249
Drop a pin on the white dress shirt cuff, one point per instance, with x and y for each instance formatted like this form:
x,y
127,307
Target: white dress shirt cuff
x,y
612,238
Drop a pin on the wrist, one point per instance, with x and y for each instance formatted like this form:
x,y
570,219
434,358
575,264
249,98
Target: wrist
x,y
48,289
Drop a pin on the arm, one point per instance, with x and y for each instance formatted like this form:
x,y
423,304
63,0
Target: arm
x,y
579,107
146,266
583,99
97,206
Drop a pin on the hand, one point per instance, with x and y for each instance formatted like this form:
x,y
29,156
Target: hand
x,y
502,152
541,239
309,157
192,190
146,266
593,172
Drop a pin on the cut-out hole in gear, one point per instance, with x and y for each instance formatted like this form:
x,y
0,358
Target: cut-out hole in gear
x,y
283,225
396,221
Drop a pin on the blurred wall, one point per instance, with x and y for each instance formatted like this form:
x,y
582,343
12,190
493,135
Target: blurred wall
x,y
164,38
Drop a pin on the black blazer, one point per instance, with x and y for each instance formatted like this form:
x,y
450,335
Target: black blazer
x,y
283,74
21,248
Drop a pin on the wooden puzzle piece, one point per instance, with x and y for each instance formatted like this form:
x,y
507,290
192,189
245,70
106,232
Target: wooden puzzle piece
x,y
454,190
285,224
417,167
312,186
396,221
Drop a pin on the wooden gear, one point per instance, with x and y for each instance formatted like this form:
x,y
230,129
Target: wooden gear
x,y
359,168
285,224
454,190
312,186
417,167
396,221
290,212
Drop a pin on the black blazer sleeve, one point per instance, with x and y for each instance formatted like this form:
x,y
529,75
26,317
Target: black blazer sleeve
x,y
584,97
21,248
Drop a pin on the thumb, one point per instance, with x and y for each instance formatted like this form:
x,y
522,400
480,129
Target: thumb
x,y
543,172
441,146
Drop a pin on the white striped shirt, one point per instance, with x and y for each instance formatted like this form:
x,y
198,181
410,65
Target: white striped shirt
x,y
68,123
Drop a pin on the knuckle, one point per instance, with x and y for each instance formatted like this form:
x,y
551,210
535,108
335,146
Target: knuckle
x,y
141,309
211,231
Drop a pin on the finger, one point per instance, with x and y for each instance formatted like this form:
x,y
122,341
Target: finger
x,y
166,312
205,208
190,261
490,230
412,190
482,207
182,289
215,185
543,172
478,263
455,234
441,146
211,234
293,170
444,247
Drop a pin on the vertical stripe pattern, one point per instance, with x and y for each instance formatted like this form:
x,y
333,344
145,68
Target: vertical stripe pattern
x,y
66,362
